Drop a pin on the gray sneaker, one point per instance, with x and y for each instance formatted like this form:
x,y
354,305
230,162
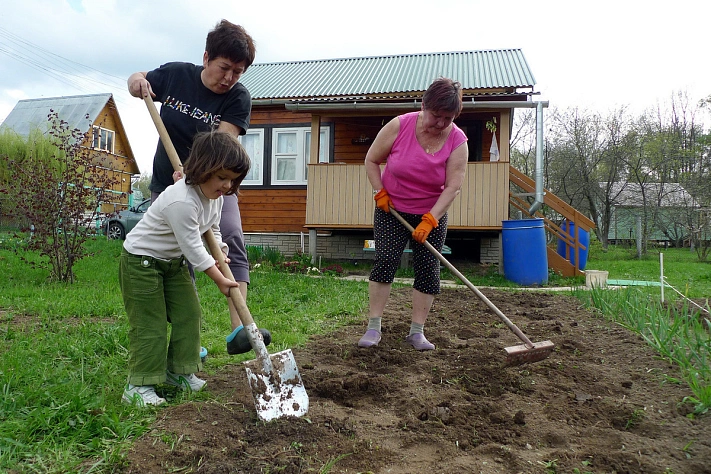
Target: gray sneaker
x,y
185,381
141,395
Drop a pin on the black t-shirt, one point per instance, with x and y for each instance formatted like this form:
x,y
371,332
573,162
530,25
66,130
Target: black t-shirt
x,y
188,107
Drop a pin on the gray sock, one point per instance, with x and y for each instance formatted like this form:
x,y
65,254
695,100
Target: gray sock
x,y
416,329
374,323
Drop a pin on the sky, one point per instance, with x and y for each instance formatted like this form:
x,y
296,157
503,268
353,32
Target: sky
x,y
596,55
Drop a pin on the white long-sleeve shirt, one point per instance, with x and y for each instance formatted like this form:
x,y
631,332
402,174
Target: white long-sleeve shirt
x,y
174,225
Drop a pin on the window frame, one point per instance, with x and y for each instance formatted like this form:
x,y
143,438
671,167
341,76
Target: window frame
x,y
258,160
302,154
103,139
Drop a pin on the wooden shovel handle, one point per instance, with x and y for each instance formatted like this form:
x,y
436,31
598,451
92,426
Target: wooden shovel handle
x,y
209,236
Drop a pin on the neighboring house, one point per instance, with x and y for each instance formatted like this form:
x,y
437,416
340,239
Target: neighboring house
x,y
313,195
97,117
670,212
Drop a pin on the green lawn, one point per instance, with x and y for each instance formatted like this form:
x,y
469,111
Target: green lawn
x,y
682,269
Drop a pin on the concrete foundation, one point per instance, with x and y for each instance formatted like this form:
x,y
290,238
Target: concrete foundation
x,y
345,246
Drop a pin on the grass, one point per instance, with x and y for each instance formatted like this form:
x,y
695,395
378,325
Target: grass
x,y
682,270
676,328
63,348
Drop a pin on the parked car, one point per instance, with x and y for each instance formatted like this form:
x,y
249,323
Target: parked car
x,y
120,224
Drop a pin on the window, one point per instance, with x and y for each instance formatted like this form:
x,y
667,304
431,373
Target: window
x,y
253,143
291,151
103,139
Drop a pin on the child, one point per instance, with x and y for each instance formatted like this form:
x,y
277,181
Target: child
x,y
153,272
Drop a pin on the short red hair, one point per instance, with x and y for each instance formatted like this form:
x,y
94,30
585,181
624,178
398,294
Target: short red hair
x,y
443,95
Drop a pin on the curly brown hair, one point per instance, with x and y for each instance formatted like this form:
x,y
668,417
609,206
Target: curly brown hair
x,y
212,152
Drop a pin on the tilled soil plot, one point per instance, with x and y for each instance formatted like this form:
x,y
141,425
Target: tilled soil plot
x,y
601,403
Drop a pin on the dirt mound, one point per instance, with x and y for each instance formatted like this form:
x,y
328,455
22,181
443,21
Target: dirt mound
x,y
601,403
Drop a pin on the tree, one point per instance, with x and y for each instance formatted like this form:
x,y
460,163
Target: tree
x,y
58,189
142,183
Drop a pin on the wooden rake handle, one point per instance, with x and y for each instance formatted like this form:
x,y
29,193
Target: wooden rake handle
x,y
469,284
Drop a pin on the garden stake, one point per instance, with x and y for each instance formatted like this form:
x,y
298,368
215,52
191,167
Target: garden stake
x,y
525,353
276,383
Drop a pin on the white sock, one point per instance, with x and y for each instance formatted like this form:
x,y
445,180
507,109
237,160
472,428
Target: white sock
x,y
416,328
375,323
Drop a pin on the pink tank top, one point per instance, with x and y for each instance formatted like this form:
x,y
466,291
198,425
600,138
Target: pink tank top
x,y
413,178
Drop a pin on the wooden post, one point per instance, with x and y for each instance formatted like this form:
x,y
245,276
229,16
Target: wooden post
x,y
504,131
313,159
315,138
312,245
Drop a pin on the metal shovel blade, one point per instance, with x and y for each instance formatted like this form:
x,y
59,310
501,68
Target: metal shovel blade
x,y
280,391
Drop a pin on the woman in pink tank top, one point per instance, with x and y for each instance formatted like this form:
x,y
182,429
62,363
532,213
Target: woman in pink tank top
x,y
425,157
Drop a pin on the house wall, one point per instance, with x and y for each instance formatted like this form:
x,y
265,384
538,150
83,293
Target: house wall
x,y
119,161
273,210
624,225
276,216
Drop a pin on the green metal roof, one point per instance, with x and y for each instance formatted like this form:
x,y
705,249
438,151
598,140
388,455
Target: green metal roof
x,y
398,74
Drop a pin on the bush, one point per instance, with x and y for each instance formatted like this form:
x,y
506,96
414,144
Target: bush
x,y
57,185
333,269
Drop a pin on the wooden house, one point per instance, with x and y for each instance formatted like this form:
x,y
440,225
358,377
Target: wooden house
x,y
667,210
97,118
314,196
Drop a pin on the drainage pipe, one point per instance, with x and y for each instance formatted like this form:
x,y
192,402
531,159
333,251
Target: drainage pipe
x,y
538,202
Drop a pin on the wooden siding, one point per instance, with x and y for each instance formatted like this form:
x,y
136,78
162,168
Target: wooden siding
x,y
340,196
484,200
121,161
276,115
353,136
272,210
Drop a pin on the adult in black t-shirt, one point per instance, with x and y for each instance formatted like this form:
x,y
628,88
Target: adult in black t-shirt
x,y
202,98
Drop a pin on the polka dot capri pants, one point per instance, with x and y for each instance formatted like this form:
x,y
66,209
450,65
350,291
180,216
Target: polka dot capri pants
x,y
391,237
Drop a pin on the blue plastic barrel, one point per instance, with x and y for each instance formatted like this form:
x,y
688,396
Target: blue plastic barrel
x,y
583,237
524,247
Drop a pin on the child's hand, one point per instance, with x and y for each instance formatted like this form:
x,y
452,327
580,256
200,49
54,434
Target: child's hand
x,y
177,176
225,286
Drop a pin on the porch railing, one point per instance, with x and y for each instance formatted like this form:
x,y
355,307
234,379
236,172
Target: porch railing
x,y
340,196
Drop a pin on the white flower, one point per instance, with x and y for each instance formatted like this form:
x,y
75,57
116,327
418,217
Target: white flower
x,y
257,265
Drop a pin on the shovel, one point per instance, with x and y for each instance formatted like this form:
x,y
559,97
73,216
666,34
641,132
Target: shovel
x,y
525,353
275,380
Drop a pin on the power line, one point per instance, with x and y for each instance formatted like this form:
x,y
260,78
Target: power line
x,y
67,71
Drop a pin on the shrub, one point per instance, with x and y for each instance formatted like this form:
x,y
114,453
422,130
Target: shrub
x,y
58,188
333,269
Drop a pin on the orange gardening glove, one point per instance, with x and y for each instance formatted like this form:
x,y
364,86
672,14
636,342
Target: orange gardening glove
x,y
423,230
383,201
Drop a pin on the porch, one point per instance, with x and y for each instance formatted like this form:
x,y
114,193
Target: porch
x,y
339,196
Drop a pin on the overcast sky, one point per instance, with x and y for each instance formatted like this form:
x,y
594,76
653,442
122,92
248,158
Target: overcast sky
x,y
593,54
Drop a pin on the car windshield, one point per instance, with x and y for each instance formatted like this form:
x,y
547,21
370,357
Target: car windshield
x,y
143,207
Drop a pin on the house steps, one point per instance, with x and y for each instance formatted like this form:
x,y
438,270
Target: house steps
x,y
556,262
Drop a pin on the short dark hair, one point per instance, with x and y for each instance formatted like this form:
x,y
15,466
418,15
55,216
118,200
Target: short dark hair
x,y
212,152
230,41
443,95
